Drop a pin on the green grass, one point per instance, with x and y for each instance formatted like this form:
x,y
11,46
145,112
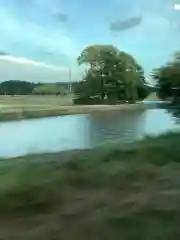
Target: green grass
x,y
132,192
22,107
35,100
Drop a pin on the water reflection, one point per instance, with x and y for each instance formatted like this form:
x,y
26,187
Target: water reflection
x,y
80,131
175,112
124,126
158,121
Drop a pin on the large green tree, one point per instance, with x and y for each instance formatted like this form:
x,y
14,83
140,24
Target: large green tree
x,y
167,78
110,72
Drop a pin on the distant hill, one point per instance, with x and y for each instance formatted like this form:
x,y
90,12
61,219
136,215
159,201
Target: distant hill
x,y
16,87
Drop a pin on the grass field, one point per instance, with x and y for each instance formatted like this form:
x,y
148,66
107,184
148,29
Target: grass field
x,y
34,101
128,193
19,107
22,107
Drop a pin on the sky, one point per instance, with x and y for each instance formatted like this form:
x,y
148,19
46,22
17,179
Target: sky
x,y
52,33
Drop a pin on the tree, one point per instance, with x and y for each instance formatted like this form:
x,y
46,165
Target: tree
x,y
167,79
111,73
48,89
16,87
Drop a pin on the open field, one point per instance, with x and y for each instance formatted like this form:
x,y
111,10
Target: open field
x,y
127,193
21,107
34,101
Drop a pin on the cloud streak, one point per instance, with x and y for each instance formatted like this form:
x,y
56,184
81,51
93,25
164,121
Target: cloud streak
x,y
32,62
62,17
118,25
12,68
2,53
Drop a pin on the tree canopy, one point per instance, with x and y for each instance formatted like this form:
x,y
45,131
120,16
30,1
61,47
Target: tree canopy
x,y
112,73
167,78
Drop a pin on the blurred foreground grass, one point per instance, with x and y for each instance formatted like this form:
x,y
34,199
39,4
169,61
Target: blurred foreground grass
x,y
132,192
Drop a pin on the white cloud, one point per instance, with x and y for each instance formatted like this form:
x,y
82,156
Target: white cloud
x,y
32,62
177,6
12,68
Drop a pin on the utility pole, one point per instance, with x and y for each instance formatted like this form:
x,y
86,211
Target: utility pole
x,y
69,85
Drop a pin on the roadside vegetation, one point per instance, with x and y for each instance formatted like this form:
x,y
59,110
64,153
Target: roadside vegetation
x,y
111,192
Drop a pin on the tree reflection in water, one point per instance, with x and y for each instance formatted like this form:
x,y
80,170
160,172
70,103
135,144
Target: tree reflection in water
x,y
125,126
175,112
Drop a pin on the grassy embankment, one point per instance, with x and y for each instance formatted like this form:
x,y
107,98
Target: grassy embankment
x,y
21,107
105,193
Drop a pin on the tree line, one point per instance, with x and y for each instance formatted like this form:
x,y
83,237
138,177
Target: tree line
x,y
17,87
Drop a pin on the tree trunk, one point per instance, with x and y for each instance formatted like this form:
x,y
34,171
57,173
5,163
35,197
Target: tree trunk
x,y
102,89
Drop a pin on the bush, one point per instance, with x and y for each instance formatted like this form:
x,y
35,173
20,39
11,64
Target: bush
x,y
87,101
94,101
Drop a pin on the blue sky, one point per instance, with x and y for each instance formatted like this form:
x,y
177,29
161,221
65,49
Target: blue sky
x,y
32,29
